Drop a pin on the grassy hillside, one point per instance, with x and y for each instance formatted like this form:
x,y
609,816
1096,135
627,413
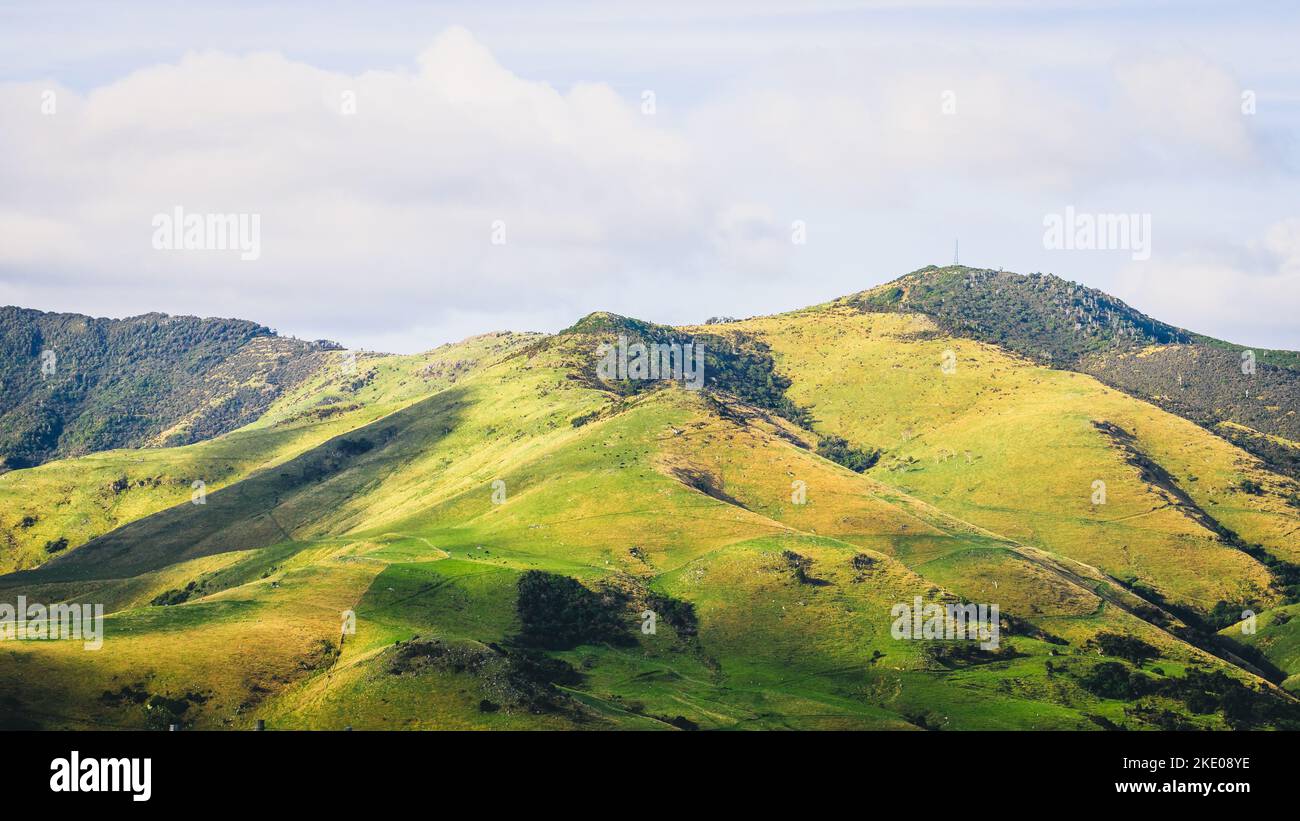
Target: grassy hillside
x,y
1016,448
1066,325
55,508
505,523
771,613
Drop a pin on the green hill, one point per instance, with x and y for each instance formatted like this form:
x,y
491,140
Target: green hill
x,y
1066,325
528,543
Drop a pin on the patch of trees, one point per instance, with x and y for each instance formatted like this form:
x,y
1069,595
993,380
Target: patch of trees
x,y
160,710
839,451
56,545
1039,316
1204,383
1202,692
177,595
517,678
680,615
862,565
801,565
558,613
1124,647
966,653
121,383
738,364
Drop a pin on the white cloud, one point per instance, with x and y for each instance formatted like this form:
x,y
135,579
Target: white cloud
x,y
377,227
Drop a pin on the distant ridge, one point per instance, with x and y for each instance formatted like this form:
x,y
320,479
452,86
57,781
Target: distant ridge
x,y
1066,325
73,384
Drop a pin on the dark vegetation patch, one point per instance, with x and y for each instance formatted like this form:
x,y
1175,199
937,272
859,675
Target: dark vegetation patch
x,y
923,719
1124,647
56,545
838,450
179,595
1037,315
705,482
319,414
1203,692
322,655
680,615
558,613
1199,631
737,364
801,565
1225,614
862,565
515,679
1279,456
1251,487
355,446
953,655
121,383
1204,383
160,710
681,723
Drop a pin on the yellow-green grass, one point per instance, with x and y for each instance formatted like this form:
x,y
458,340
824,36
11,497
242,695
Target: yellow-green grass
x,y
1012,447
79,499
1276,634
660,491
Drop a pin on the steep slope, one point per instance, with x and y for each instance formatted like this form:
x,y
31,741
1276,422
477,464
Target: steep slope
x,y
47,511
1064,324
73,384
436,523
1017,448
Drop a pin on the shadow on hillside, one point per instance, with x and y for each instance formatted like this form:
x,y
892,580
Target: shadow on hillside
x,y
264,509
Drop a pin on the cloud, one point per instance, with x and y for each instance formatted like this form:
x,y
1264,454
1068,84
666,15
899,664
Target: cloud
x,y
1186,106
1252,290
384,194
383,211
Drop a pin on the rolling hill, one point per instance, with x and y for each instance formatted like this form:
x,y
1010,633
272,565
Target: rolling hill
x,y
526,542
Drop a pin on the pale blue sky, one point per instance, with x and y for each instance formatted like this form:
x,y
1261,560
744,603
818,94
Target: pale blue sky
x,y
376,226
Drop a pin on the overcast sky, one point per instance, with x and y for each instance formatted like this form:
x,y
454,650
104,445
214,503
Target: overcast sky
x,y
658,163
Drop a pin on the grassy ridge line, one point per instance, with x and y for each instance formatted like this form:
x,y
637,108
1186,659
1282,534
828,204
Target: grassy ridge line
x,y
662,488
78,499
1010,447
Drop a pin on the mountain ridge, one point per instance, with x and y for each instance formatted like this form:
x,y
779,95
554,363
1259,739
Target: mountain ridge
x,y
498,515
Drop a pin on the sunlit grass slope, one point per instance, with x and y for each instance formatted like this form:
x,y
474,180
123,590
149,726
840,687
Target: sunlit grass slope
x,y
1016,448
78,499
423,510
665,493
